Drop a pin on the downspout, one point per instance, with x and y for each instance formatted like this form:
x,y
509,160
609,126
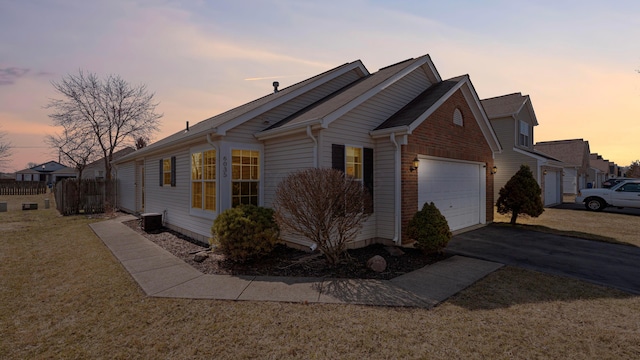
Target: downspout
x,y
396,190
315,146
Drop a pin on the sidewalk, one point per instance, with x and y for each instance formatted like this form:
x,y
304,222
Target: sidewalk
x,y
161,274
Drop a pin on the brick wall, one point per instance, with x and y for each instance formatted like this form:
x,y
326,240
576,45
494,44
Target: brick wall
x,y
438,136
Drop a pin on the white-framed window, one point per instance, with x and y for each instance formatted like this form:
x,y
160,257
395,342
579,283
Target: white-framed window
x,y
524,137
457,117
353,162
204,180
245,177
167,171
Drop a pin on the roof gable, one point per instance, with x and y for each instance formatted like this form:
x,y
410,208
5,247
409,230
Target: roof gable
x,y
510,105
417,111
327,110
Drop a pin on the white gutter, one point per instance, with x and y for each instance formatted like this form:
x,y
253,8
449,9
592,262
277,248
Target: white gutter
x,y
315,146
287,130
397,190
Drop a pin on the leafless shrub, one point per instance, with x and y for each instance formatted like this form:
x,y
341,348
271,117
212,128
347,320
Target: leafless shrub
x,y
323,205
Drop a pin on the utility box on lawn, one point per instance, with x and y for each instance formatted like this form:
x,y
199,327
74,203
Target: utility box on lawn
x,y
151,221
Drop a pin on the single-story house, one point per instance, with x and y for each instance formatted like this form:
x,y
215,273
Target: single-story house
x,y
575,155
49,172
96,169
408,135
513,119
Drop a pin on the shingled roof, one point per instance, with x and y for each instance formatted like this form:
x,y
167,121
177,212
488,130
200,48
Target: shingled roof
x,y
410,112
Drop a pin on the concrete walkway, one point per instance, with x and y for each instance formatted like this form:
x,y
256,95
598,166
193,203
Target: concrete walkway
x,y
161,274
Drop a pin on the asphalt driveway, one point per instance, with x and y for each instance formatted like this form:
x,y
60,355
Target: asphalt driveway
x,y
612,265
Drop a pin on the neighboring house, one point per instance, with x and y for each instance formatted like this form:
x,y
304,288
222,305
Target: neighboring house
x,y
575,154
96,169
49,172
599,170
513,119
372,126
614,170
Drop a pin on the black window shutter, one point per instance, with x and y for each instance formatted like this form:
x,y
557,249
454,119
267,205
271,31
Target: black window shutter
x,y
367,173
173,171
337,157
161,173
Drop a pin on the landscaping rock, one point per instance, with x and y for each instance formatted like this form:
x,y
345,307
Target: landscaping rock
x,y
201,256
377,264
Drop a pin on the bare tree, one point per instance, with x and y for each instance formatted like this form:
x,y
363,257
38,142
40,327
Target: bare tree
x,y
324,206
110,111
5,150
78,147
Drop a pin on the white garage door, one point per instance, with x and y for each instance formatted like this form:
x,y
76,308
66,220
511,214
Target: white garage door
x,y
456,188
552,188
570,181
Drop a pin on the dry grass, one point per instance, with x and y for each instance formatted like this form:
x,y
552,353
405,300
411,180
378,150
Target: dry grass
x,y
605,226
63,295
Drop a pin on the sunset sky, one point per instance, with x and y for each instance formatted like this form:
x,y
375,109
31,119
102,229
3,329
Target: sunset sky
x,y
578,60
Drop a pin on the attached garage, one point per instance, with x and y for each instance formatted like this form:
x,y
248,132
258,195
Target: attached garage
x,y
457,189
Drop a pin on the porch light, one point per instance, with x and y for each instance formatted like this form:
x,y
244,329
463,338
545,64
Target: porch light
x,y
544,172
414,164
494,169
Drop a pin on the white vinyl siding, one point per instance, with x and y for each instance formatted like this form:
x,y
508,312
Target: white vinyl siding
x,y
126,199
282,156
354,128
384,188
508,161
176,201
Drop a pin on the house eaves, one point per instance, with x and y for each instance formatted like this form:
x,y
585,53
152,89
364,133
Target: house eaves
x,y
223,122
551,161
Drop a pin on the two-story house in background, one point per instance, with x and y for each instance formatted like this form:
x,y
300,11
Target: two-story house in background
x,y
513,120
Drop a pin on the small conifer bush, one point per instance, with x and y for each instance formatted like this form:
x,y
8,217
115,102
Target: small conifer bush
x,y
245,232
430,229
521,195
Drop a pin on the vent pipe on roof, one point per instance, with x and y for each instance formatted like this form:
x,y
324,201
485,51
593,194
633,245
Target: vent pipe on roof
x,y
275,86
187,129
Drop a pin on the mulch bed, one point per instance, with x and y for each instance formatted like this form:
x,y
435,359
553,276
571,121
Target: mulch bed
x,y
286,261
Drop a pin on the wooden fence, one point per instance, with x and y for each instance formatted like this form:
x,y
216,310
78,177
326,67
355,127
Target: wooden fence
x,y
83,196
22,187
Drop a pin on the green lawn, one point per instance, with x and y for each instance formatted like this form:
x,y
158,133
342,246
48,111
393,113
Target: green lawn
x,y
63,295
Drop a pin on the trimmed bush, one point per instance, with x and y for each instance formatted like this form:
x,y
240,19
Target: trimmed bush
x,y
245,232
430,229
521,195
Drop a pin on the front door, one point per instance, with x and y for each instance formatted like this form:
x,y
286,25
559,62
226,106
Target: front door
x,y
140,188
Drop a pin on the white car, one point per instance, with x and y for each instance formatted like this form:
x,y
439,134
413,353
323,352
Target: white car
x,y
621,195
